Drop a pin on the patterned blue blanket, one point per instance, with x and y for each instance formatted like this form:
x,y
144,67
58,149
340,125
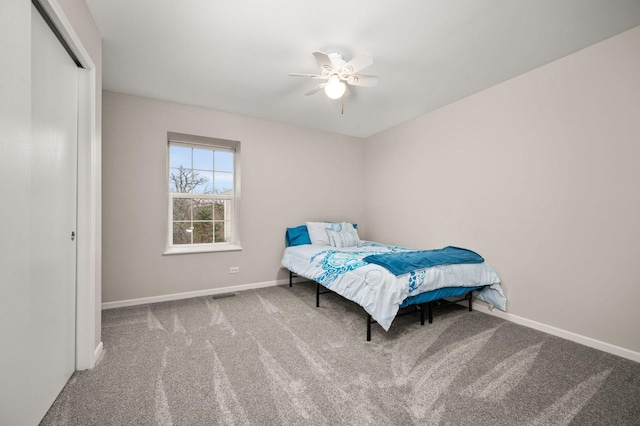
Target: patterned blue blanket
x,y
404,262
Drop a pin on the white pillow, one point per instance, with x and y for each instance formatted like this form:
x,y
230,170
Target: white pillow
x,y
344,238
318,231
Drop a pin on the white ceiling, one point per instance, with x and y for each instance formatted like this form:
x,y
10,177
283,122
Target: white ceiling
x,y
234,55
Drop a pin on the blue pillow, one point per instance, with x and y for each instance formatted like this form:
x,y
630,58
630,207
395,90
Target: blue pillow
x,y
297,236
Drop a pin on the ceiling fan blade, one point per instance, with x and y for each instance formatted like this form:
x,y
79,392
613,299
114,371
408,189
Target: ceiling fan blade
x,y
363,80
297,74
316,89
323,59
359,62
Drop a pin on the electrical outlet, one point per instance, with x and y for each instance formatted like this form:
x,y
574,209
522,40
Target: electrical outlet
x,y
234,269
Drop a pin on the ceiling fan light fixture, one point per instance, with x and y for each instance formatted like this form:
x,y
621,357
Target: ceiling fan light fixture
x,y
337,74
335,88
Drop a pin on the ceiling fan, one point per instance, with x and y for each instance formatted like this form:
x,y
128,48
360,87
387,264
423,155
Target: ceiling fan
x,y
339,73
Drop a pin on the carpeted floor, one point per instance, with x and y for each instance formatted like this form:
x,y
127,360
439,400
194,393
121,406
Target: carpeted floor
x,y
270,357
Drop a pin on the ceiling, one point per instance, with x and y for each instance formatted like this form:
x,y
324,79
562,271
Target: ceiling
x,y
235,55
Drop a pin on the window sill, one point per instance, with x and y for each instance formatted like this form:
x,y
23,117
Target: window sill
x,y
201,249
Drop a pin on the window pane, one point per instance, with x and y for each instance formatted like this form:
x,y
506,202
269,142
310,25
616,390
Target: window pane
x,y
202,232
202,159
224,161
181,209
185,181
202,182
179,156
202,209
182,232
223,183
174,180
220,231
222,209
182,180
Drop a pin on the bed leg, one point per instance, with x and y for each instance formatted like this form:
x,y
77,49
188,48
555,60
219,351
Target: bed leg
x,y
430,312
368,327
290,279
317,295
422,306
470,302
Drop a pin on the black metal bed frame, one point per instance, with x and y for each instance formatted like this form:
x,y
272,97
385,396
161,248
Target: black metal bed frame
x,y
428,306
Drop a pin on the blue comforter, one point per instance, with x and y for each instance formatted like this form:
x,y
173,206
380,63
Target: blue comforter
x,y
404,262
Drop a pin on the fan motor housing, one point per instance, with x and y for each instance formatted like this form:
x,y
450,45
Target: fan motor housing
x,y
336,59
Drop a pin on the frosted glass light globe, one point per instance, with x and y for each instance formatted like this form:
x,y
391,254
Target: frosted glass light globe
x,y
335,88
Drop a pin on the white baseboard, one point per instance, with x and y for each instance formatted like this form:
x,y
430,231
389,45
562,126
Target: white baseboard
x,y
191,294
574,337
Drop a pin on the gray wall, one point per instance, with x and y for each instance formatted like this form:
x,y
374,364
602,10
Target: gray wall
x,y
539,174
289,175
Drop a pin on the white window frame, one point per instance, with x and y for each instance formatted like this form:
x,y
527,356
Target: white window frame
x,y
233,240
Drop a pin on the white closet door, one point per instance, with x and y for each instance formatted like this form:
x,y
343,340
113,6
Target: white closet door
x,y
54,102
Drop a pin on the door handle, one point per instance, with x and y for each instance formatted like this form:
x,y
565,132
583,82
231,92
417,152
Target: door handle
x,y
73,235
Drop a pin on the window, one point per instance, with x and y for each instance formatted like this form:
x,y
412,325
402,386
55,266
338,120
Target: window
x,y
203,194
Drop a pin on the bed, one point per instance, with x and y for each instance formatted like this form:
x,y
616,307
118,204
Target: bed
x,y
332,255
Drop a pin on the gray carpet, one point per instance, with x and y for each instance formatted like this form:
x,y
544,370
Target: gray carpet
x,y
269,357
